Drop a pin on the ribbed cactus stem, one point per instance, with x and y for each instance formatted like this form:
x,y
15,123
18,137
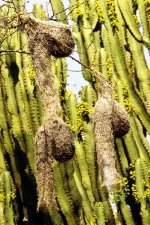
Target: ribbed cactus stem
x,y
114,207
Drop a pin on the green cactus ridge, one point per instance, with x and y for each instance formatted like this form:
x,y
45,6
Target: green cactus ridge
x,y
68,160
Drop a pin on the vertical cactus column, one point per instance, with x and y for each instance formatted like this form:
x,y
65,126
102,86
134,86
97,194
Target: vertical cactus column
x,y
110,38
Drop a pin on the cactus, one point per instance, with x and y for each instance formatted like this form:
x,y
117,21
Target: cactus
x,y
63,156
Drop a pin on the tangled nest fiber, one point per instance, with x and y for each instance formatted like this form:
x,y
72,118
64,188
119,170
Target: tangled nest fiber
x,y
110,121
120,120
54,139
55,37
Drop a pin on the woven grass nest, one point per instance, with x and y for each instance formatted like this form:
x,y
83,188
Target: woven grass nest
x,y
120,121
61,138
55,37
110,120
54,140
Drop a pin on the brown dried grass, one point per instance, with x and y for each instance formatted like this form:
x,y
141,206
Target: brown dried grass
x,y
120,120
53,140
110,121
44,168
102,118
61,138
55,37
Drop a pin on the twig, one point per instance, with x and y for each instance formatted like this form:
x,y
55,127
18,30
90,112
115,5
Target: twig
x,y
9,35
97,74
18,51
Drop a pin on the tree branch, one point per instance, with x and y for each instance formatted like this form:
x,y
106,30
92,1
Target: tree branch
x,y
17,51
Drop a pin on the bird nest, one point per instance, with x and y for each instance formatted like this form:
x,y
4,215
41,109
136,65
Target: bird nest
x,y
54,139
110,121
55,37
61,138
120,121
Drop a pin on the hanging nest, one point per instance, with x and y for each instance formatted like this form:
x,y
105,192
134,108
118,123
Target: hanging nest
x,y
53,139
120,120
44,169
102,119
61,138
55,37
110,121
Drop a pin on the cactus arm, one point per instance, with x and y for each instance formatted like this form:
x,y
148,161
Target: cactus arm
x,y
9,214
90,157
59,10
128,17
85,200
90,98
82,49
141,149
84,170
144,21
145,214
2,200
130,144
71,107
142,69
63,196
142,136
100,215
3,165
122,156
126,213
106,204
75,195
26,127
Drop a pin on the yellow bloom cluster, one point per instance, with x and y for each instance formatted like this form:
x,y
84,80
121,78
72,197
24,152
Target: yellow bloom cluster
x,y
109,68
2,197
77,10
32,75
147,5
82,112
112,13
135,193
125,186
99,11
11,194
126,101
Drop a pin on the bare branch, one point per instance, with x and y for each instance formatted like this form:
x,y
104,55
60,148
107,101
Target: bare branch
x,y
9,35
17,51
96,73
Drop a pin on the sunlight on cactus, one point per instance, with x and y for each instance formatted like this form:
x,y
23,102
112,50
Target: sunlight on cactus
x,y
67,159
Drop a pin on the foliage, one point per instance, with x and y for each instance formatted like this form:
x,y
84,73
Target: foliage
x,y
111,40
